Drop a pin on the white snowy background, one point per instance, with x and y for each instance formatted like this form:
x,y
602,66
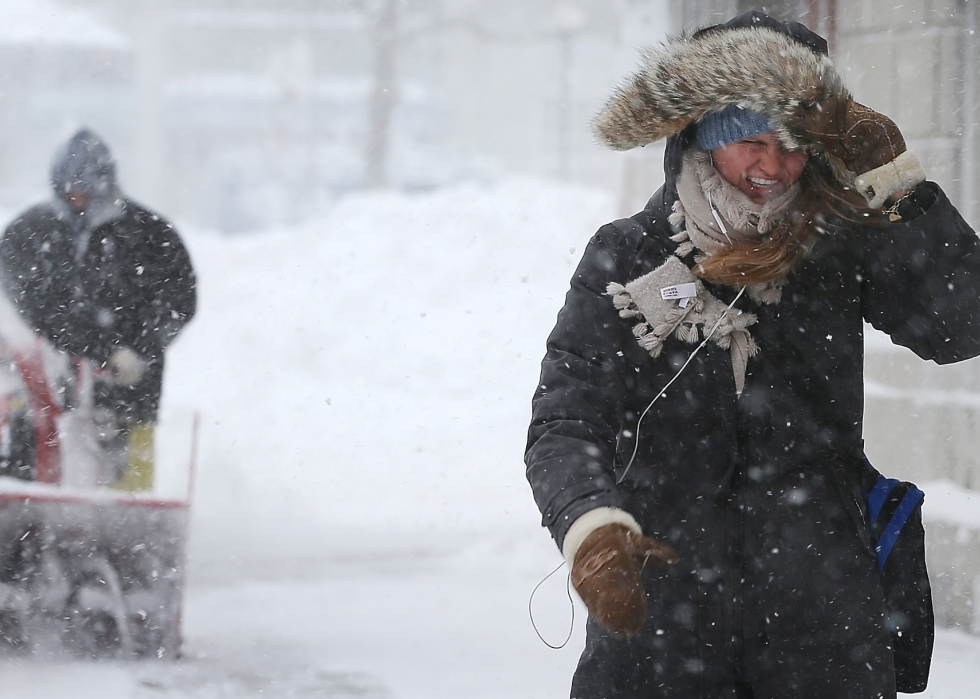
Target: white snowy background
x,y
361,523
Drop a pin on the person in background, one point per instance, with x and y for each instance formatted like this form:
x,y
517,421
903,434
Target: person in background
x,y
696,444
105,279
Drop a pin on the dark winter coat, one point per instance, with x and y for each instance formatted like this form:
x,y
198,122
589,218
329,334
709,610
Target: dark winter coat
x,y
760,494
132,286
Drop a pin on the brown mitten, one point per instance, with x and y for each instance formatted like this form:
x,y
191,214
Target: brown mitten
x,y
867,144
858,136
606,575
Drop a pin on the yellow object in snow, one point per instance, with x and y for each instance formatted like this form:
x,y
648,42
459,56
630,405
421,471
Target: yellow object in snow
x,y
139,459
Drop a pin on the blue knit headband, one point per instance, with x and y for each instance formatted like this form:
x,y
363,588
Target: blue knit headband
x,y
731,124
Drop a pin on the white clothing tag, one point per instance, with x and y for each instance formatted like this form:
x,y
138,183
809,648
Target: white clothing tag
x,y
679,291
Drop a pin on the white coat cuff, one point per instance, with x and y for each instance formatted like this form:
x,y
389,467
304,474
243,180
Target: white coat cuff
x,y
589,522
904,172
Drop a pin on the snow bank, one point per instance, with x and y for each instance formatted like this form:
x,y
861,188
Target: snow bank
x,y
371,372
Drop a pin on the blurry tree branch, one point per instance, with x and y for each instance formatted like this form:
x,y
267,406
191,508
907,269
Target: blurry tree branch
x,y
383,91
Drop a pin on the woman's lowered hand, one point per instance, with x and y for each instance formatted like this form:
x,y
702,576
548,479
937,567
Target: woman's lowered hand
x,y
606,575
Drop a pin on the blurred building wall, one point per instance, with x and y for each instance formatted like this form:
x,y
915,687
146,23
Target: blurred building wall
x,y
58,70
248,114
917,62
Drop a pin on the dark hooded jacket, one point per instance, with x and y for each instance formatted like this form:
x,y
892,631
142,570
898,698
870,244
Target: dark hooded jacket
x,y
113,275
761,494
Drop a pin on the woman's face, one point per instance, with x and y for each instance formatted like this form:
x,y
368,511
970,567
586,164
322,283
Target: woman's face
x,y
759,166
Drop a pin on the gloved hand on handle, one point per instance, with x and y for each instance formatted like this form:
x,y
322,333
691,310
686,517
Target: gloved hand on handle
x,y
606,575
127,366
867,144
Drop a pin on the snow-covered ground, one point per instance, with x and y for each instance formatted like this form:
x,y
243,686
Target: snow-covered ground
x,y
361,525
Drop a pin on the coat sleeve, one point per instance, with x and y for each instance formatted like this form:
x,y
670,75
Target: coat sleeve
x,y
35,290
921,282
579,402
168,288
17,276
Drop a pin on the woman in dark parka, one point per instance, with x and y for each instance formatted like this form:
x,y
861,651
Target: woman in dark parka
x,y
744,480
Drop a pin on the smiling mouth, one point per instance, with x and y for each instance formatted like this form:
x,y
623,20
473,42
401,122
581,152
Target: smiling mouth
x,y
762,182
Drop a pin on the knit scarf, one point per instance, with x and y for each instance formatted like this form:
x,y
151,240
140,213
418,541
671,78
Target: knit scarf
x,y
704,197
701,189
655,301
702,193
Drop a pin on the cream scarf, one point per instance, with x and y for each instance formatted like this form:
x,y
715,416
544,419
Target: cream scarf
x,y
659,314
701,187
701,194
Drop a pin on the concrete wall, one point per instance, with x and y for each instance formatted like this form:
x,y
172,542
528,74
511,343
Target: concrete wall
x,y
922,423
917,61
953,560
922,420
912,61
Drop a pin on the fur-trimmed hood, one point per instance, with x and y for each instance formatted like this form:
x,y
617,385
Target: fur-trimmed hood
x,y
752,61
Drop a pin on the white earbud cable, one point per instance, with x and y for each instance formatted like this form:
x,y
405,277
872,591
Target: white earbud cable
x,y
636,443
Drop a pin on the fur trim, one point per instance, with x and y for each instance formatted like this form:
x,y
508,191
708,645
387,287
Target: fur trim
x,y
904,172
589,522
685,78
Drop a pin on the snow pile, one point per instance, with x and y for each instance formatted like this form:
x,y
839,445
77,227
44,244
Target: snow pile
x,y
371,372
